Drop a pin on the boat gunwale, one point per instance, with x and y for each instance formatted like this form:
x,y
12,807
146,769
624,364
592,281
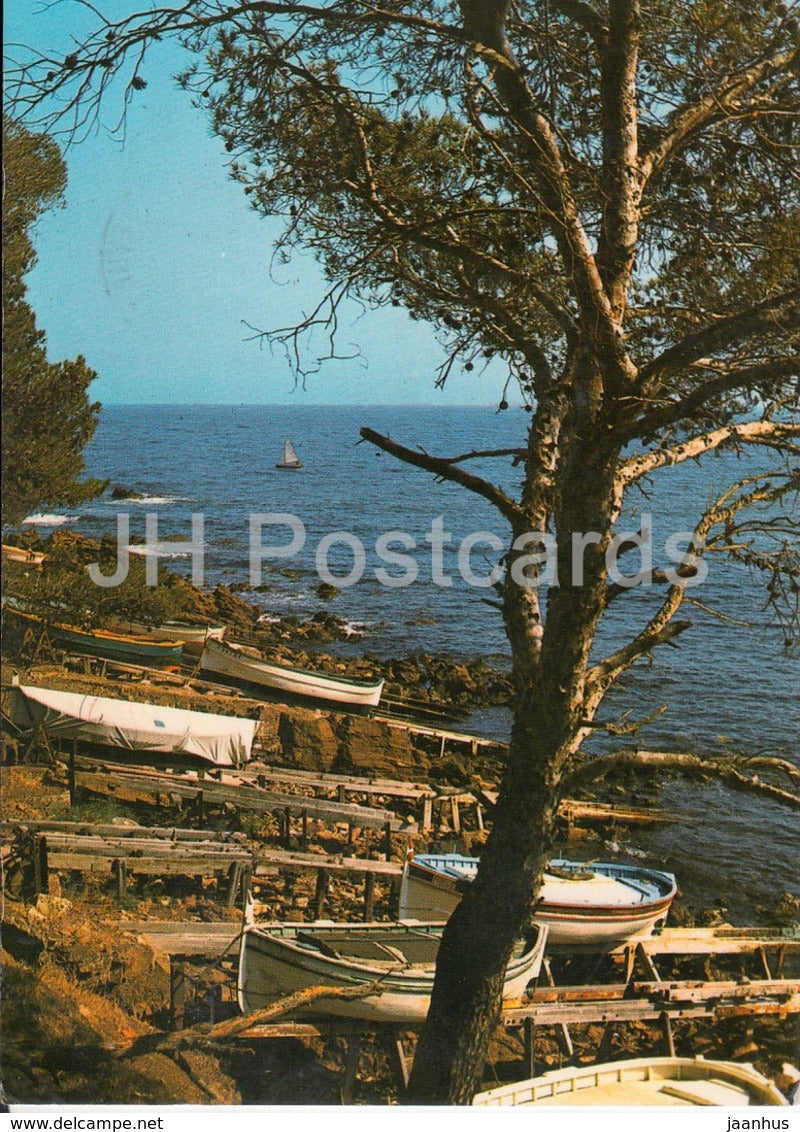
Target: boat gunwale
x,y
448,882
635,1070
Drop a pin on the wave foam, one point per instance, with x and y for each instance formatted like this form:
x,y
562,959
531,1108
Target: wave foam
x,y
50,520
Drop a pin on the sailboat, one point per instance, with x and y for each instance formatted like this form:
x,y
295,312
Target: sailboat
x,y
290,457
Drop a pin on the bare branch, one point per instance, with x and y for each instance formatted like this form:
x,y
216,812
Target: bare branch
x,y
447,470
655,762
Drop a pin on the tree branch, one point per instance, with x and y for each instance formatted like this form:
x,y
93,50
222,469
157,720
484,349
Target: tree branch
x,y
447,470
765,432
690,119
746,377
780,312
652,762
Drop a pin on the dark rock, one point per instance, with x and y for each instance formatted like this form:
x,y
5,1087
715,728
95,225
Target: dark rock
x,y
120,492
326,591
308,742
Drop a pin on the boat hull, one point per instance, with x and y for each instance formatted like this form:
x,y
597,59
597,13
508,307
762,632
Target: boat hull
x,y
223,660
133,726
574,911
277,959
192,635
642,1081
128,648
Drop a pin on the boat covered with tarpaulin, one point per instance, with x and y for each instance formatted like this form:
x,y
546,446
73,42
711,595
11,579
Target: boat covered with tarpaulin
x,y
221,739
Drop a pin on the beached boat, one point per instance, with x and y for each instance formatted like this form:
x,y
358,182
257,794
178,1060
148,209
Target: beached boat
x,y
290,458
192,634
221,739
237,663
130,648
597,903
21,554
277,959
644,1081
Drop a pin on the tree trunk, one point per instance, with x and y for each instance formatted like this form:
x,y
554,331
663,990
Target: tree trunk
x,y
492,915
549,722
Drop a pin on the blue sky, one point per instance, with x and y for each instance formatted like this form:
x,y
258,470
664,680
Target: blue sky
x,y
156,262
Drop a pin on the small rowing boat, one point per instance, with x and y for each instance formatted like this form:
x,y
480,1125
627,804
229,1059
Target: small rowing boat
x,y
643,1081
222,739
597,903
129,648
393,963
193,634
237,663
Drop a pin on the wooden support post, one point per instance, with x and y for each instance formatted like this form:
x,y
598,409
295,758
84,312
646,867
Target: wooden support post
x,y
71,772
369,897
200,808
350,833
427,814
529,1043
394,899
455,815
177,993
321,893
341,793
351,1065
287,829
387,840
647,963
762,957
780,960
666,1031
562,1029
304,835
234,881
40,870
247,880
479,815
403,1064
441,747
121,873
604,1048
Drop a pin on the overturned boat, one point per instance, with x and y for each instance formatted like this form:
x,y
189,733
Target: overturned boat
x,y
393,965
644,1081
598,903
221,739
236,663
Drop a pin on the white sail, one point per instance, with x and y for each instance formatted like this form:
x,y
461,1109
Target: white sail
x,y
290,457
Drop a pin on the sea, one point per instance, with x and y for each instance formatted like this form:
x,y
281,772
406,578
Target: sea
x,y
730,684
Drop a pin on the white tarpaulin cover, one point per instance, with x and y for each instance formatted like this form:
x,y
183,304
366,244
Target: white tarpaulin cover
x,y
222,739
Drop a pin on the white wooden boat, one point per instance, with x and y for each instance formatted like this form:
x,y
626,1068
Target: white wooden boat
x,y
644,1081
277,959
194,634
222,739
598,903
290,458
235,662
